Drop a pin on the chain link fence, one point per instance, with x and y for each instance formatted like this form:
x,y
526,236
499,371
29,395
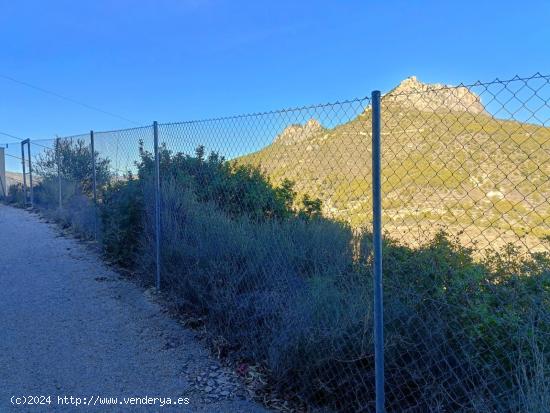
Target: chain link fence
x,y
260,228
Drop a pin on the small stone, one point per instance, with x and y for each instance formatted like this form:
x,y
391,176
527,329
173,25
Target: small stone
x,y
208,389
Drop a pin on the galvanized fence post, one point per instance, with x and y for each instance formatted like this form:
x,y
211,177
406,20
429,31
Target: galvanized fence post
x,y
94,180
25,194
58,162
3,183
377,245
157,203
30,171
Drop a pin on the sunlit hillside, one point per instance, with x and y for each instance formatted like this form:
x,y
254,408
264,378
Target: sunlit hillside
x,y
447,162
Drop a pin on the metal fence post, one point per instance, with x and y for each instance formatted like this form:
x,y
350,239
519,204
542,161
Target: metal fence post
x,y
377,244
25,195
157,203
94,177
58,162
30,172
3,182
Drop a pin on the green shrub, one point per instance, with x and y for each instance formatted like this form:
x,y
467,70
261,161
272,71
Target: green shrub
x,y
16,195
68,168
293,290
77,209
236,189
72,159
453,321
121,215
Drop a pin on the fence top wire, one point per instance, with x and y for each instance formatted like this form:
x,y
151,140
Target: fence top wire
x,y
43,143
74,137
271,112
125,130
229,117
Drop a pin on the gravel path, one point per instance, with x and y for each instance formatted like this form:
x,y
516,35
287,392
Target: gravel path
x,y
70,326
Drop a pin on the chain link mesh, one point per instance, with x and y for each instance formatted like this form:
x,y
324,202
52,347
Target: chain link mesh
x,y
266,240
472,159
467,316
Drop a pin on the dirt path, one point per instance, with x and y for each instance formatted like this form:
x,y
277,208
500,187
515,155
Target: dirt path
x,y
69,326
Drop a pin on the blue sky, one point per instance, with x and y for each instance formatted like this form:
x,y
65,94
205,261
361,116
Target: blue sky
x,y
171,60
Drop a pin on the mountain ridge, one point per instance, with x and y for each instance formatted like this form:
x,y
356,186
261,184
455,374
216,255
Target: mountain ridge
x,y
455,165
435,96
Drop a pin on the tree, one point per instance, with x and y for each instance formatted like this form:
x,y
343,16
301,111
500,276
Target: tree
x,y
72,159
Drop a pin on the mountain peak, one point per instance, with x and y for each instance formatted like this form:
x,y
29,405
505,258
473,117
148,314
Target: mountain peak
x,y
409,84
435,97
298,133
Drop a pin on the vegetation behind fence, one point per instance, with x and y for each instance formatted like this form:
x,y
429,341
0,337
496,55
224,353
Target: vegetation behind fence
x,y
266,236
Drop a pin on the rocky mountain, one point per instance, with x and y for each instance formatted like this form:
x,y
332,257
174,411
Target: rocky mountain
x,y
412,93
446,162
294,134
